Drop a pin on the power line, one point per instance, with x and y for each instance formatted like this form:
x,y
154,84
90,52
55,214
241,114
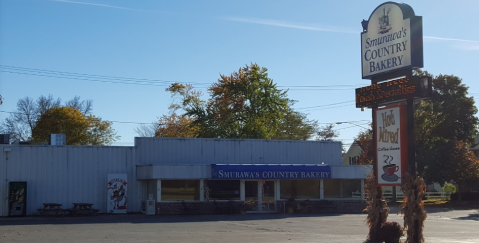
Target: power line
x,y
141,81
50,72
89,79
326,108
358,121
133,122
355,126
128,122
151,82
325,105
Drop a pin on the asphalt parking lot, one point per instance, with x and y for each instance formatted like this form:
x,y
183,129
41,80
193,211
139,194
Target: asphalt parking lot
x,y
442,225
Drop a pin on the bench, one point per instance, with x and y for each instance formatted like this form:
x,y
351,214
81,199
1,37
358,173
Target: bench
x,y
51,209
82,209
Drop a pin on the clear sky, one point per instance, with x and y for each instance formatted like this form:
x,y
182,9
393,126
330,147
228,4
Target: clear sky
x,y
142,46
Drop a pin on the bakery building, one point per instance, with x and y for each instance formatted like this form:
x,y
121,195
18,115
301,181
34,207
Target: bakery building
x,y
183,176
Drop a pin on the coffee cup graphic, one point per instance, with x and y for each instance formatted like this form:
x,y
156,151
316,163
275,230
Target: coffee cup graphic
x,y
390,169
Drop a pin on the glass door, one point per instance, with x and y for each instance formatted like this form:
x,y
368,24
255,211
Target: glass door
x,y
268,203
251,196
260,196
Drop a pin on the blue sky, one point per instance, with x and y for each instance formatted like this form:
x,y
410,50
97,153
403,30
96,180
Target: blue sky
x,y
302,43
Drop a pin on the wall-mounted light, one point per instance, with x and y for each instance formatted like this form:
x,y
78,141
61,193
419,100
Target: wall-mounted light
x,y
6,151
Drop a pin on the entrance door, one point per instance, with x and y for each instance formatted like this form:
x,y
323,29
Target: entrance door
x,y
267,199
260,197
251,196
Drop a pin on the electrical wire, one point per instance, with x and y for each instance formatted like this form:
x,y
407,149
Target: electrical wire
x,y
142,81
147,123
310,107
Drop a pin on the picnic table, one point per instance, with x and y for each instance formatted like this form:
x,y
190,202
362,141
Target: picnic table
x,y
83,208
51,208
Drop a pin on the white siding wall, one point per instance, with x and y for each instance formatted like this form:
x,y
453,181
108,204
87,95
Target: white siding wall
x,y
67,174
351,171
171,151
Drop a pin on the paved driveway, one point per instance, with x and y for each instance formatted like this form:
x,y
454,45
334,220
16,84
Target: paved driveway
x,y
442,225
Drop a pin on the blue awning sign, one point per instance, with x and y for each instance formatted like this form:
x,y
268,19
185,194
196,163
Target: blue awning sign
x,y
268,171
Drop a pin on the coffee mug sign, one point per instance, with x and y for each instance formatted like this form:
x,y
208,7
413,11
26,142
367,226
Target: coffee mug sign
x,y
391,143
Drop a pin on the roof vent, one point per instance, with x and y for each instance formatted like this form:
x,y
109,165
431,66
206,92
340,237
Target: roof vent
x,y
57,139
4,138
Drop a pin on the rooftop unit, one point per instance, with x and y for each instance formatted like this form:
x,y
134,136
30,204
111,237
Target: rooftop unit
x,y
57,139
4,138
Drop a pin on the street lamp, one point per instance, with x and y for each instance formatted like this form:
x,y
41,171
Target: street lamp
x,y
338,123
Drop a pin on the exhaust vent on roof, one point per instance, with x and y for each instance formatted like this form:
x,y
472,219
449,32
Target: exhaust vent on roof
x,y
4,138
57,139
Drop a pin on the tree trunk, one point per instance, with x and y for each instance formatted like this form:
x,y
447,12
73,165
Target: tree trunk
x,y
395,198
459,194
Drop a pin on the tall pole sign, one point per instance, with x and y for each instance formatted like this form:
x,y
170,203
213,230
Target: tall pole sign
x,y
391,48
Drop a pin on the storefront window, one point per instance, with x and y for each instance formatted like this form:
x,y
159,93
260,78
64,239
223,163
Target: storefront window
x,y
342,188
331,188
223,190
177,190
350,188
299,189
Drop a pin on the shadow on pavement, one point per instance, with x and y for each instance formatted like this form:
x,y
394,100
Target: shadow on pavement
x,y
136,218
474,217
396,207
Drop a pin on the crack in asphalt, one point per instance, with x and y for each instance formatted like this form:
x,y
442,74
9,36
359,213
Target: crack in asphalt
x,y
261,228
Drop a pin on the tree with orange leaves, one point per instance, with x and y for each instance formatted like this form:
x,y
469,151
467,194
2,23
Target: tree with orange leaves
x,y
365,142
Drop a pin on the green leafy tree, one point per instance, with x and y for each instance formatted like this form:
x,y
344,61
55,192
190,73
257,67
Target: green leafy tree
x,y
295,126
455,162
449,188
80,129
245,104
444,125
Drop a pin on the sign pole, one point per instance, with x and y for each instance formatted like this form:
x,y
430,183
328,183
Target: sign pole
x,y
410,135
379,193
412,158
374,144
391,48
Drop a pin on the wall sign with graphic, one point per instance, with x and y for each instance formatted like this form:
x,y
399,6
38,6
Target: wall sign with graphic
x,y
391,141
117,193
391,40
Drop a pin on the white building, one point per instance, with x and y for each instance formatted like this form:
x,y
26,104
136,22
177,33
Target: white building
x,y
199,176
